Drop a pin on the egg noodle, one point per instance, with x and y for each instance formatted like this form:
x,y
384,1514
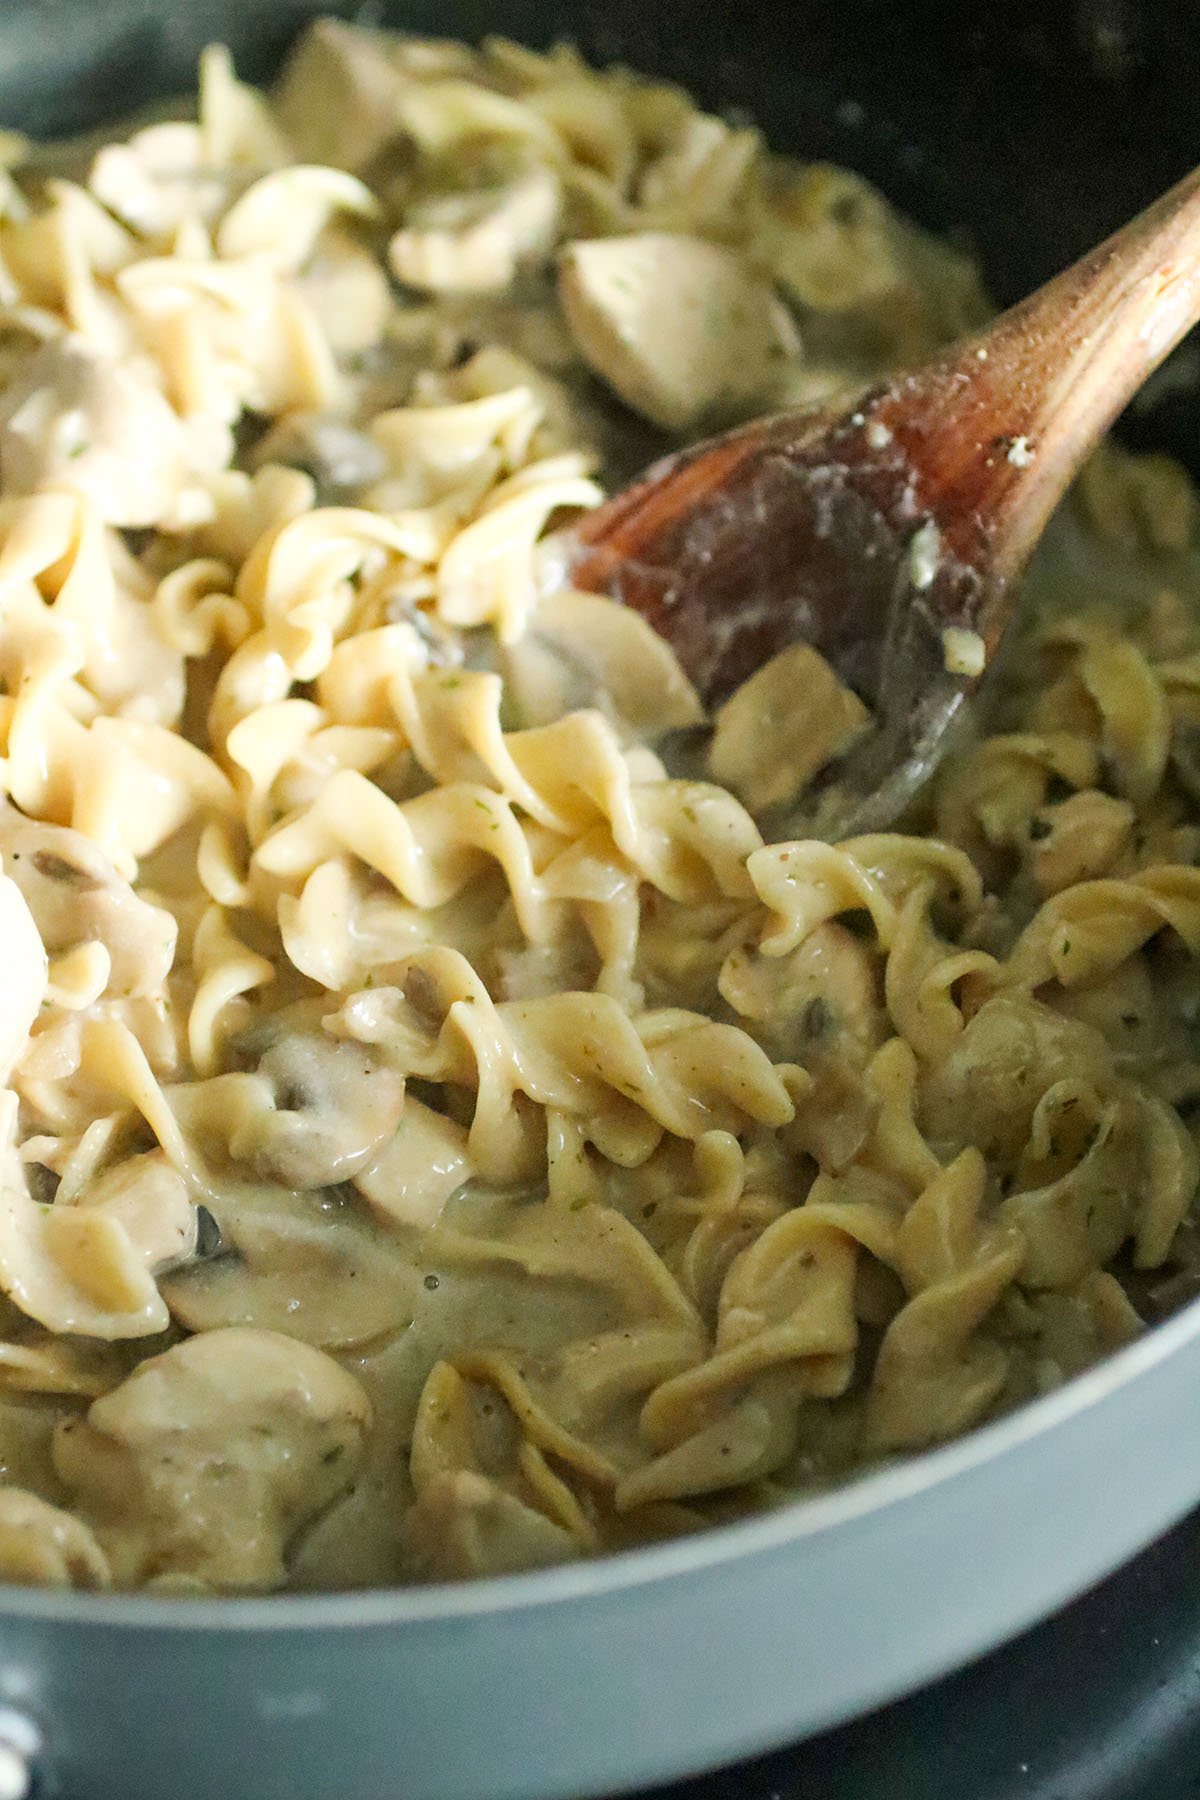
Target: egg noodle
x,y
437,1141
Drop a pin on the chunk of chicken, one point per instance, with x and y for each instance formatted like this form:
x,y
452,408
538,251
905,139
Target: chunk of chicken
x,y
477,242
23,969
42,1546
782,726
349,294
683,329
822,999
831,238
1078,839
95,425
75,896
821,1006
424,1164
339,96
209,1460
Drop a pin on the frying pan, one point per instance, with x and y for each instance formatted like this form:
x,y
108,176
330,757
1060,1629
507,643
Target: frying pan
x,y
1036,127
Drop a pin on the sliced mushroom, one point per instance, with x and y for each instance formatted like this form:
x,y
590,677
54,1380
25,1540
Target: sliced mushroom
x,y
42,1546
76,897
78,419
313,1112
476,242
465,1525
23,970
317,1266
683,329
209,1460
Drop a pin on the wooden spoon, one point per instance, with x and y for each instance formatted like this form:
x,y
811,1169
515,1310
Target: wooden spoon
x,y
868,531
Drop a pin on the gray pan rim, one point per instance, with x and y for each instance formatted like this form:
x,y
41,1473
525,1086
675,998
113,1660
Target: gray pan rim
x,y
573,1583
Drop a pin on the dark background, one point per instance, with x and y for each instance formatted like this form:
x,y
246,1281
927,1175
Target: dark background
x,y
1100,1703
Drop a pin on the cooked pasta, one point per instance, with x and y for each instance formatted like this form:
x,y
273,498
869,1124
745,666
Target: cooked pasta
x,y
438,1139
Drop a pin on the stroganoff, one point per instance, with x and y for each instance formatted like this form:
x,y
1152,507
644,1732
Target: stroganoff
x,y
437,1139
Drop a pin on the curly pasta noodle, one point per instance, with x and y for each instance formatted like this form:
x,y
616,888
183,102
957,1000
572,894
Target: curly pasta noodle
x,y
418,1100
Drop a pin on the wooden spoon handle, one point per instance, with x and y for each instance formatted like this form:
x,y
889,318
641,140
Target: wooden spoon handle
x,y
1007,417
